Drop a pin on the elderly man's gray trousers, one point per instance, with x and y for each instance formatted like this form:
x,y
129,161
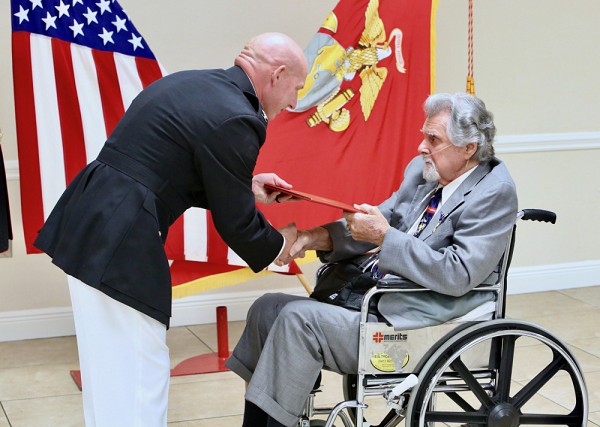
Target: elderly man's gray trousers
x,y
287,340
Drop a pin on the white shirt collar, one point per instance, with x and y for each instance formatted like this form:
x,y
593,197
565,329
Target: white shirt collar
x,y
451,187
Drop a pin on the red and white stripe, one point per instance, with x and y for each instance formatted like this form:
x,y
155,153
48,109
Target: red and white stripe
x,y
68,98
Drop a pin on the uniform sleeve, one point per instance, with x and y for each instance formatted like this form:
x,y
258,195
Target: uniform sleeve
x,y
226,161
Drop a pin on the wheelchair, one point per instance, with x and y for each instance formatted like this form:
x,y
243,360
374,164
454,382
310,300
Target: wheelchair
x,y
460,373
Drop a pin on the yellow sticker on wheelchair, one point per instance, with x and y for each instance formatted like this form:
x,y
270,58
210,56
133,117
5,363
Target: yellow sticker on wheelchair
x,y
383,362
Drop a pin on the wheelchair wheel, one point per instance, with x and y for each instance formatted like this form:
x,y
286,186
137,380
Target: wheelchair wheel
x,y
526,363
318,423
349,390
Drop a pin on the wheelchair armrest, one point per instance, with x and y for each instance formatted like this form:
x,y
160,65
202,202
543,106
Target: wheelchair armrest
x,y
387,285
398,283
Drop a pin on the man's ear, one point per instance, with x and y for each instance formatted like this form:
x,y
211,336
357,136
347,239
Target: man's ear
x,y
471,148
276,74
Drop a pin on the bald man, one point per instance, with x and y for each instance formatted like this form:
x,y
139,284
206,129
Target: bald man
x,y
189,139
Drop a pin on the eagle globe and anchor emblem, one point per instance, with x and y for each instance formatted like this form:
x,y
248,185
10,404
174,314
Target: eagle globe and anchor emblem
x,y
332,64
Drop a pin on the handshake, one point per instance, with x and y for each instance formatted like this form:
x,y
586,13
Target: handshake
x,y
369,225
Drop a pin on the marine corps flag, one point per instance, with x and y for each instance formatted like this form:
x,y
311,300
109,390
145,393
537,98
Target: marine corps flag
x,y
357,122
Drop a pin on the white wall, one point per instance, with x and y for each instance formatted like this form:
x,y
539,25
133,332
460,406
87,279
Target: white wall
x,y
536,65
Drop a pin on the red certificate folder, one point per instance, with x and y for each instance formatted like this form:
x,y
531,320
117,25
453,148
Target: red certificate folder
x,y
312,198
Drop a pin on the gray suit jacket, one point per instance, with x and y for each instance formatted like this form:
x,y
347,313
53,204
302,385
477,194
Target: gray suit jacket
x,y
460,249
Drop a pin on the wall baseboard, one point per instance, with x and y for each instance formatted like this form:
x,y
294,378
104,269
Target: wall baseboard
x,y
201,309
553,277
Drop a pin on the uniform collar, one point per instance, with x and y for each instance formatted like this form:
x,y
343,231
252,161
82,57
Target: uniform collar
x,y
242,80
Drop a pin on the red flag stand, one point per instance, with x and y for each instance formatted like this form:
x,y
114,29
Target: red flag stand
x,y
202,364
212,362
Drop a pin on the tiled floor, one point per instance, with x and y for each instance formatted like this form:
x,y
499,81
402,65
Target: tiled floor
x,y
36,389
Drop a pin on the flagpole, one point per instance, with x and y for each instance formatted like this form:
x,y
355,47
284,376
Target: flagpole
x,y
305,283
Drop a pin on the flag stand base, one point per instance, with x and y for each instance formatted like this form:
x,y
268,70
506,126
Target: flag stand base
x,y
202,364
212,362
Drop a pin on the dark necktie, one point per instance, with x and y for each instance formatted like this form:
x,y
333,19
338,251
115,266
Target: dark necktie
x,y
429,211
373,263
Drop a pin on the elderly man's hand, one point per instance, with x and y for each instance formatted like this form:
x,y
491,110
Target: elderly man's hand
x,y
370,226
261,194
290,232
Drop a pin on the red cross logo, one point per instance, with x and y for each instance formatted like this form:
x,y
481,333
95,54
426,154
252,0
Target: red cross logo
x,y
378,337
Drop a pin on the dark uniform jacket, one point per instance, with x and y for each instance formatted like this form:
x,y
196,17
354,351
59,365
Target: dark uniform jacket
x,y
189,139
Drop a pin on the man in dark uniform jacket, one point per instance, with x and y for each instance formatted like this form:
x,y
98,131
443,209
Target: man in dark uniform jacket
x,y
189,139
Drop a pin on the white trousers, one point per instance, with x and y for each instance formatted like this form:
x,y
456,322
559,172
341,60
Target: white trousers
x,y
124,361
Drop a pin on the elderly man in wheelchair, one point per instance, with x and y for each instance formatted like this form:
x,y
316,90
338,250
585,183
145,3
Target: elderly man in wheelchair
x,y
395,277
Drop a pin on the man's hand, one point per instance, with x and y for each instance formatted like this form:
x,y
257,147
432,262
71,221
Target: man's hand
x,y
290,233
314,239
367,227
261,194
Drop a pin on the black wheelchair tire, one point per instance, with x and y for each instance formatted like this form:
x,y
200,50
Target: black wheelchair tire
x,y
497,406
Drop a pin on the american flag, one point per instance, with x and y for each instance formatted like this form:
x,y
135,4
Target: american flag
x,y
76,68
77,65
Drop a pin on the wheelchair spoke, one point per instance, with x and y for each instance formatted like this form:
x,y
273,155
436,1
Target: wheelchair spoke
x,y
506,367
472,382
456,417
550,419
456,398
538,382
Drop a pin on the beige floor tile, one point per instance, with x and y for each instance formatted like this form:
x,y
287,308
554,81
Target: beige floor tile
x,y
526,306
37,390
182,340
590,346
580,324
588,362
331,390
38,352
57,411
206,399
37,381
560,391
3,420
235,421
208,333
183,345
529,360
589,295
592,381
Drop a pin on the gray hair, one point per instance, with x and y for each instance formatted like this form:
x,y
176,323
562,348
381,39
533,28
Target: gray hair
x,y
469,121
